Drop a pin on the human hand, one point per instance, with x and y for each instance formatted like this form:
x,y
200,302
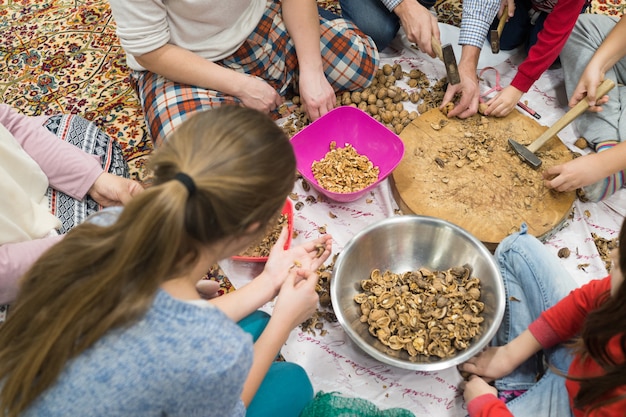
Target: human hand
x,y
316,93
207,288
305,256
258,94
510,4
470,92
492,363
504,102
574,174
297,299
419,24
587,87
475,386
113,190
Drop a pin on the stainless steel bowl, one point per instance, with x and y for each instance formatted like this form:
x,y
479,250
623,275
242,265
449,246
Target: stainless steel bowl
x,y
407,243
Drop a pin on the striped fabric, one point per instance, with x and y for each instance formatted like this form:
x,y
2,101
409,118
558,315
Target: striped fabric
x,y
87,136
350,62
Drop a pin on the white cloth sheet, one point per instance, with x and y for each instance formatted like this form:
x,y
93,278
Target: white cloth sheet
x,y
333,362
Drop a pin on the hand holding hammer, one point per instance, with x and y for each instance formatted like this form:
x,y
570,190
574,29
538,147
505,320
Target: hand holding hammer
x,y
527,153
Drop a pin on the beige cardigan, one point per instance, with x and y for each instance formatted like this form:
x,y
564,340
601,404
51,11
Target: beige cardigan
x,y
24,206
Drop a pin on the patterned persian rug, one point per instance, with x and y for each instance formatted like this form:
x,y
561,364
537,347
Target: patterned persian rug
x,y
62,56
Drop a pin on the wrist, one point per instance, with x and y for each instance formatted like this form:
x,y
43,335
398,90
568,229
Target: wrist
x,y
267,285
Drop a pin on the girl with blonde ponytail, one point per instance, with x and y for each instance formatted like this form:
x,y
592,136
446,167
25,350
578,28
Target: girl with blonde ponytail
x,y
109,322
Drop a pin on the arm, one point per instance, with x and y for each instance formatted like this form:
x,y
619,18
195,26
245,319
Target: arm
x,y
477,18
302,22
557,324
496,362
15,259
252,91
612,49
592,168
481,399
550,41
493,363
68,168
296,302
419,24
586,170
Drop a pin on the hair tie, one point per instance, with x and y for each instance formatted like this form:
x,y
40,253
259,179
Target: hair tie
x,y
187,181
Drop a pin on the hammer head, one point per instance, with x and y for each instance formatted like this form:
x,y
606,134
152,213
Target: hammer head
x,y
449,60
495,41
524,153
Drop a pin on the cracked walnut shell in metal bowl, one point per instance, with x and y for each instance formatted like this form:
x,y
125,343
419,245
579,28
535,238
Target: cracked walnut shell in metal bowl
x,y
417,292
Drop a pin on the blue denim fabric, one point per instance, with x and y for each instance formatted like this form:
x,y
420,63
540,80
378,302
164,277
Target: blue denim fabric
x,y
534,281
373,18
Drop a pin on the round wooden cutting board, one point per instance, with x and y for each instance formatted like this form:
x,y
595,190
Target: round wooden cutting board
x,y
465,172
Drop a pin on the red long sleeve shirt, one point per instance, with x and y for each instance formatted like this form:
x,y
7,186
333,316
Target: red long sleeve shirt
x,y
559,324
550,40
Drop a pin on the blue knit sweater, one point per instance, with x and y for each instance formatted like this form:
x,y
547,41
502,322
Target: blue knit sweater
x,y
178,360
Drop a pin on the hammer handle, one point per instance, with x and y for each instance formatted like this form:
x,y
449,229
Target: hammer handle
x,y
573,113
436,45
503,18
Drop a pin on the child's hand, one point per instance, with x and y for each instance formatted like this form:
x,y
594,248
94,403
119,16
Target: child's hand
x,y
297,299
475,387
308,256
504,102
574,174
492,363
589,81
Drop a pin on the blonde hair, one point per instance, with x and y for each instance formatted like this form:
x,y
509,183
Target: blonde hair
x,y
99,278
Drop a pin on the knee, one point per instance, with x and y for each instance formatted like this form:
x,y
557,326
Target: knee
x,y
383,37
284,380
517,242
297,385
373,19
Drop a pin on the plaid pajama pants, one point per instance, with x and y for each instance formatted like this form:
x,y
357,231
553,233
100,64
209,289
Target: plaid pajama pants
x,y
350,62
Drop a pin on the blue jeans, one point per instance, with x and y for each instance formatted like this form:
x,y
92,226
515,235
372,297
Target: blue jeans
x,y
534,281
374,19
286,388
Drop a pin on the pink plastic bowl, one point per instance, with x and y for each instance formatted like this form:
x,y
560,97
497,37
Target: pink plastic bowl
x,y
347,125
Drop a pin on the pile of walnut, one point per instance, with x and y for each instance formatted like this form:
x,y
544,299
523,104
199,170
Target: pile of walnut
x,y
429,313
605,246
383,99
263,248
344,170
325,313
